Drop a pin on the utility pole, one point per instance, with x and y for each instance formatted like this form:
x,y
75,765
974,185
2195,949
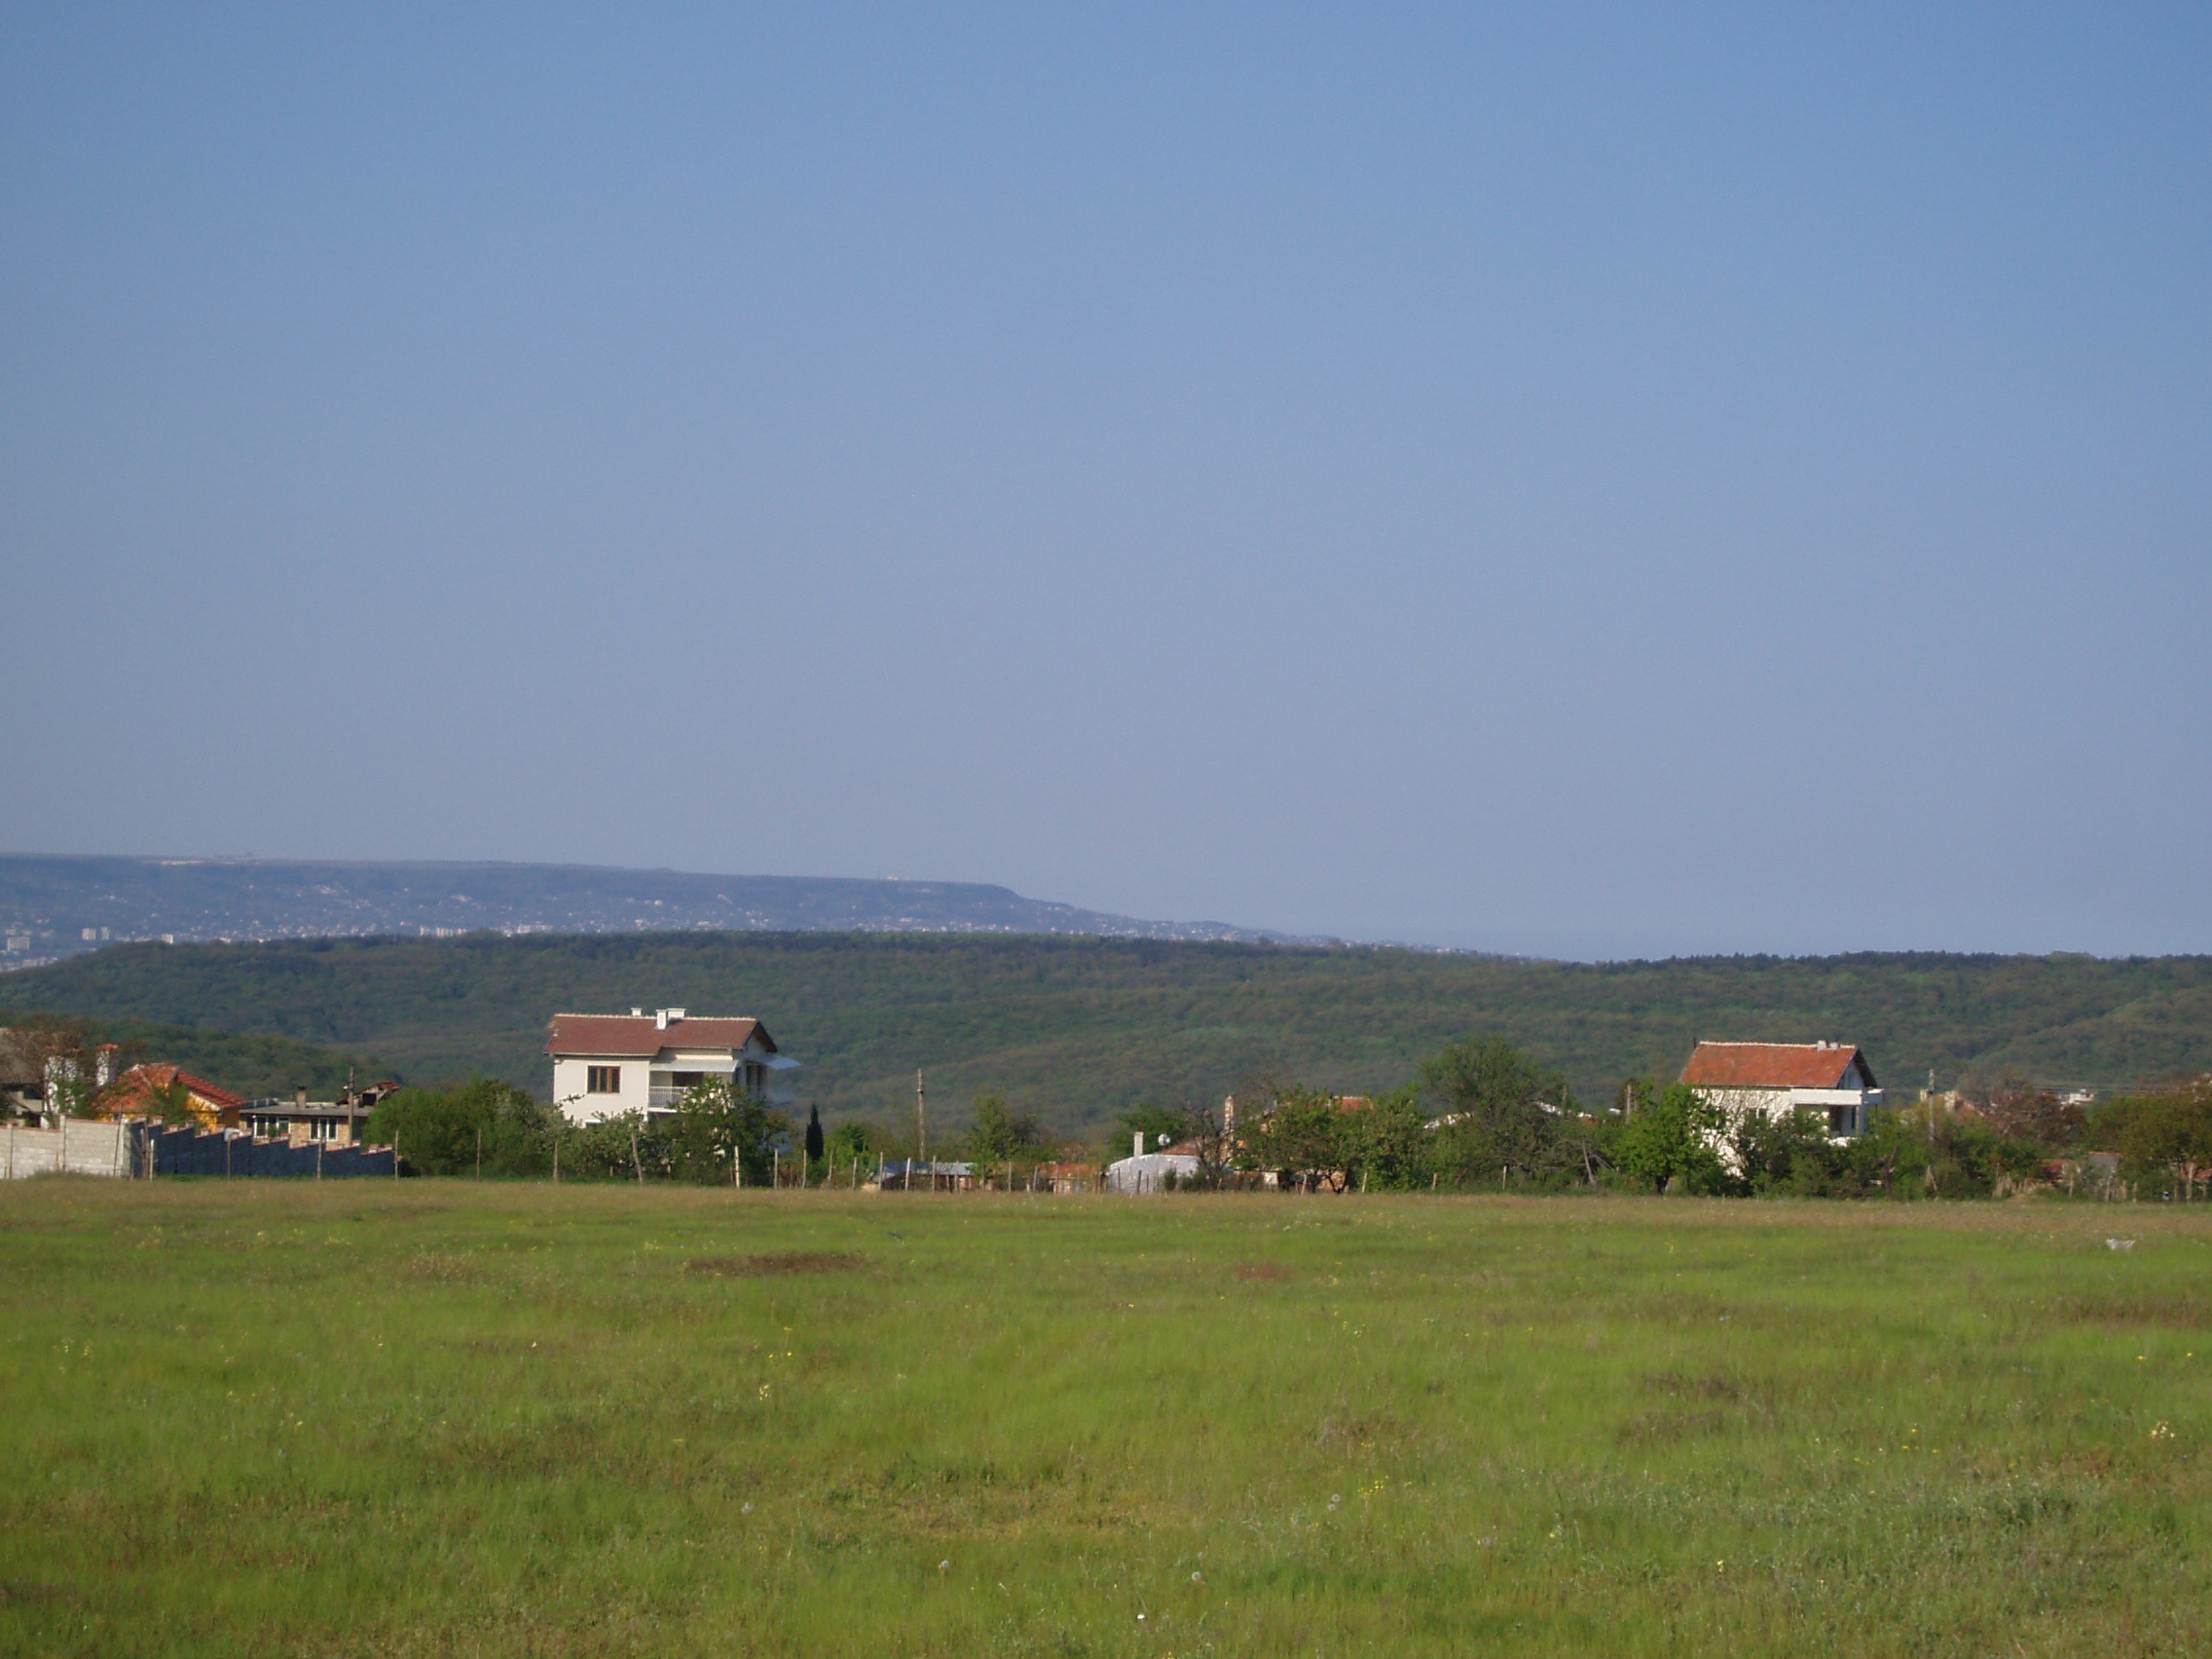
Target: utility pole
x,y
921,1131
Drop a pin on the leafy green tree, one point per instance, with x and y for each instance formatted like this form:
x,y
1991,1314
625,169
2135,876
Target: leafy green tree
x,y
717,1121
59,1056
1002,1132
440,1130
1387,1144
1791,1153
1496,1108
611,1149
170,1102
2020,1110
1305,1134
2164,1135
1671,1136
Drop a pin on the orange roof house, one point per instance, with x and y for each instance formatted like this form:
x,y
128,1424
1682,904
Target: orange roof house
x,y
133,1097
1779,1077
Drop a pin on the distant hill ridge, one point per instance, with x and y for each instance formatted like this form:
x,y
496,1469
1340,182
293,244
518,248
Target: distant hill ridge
x,y
56,906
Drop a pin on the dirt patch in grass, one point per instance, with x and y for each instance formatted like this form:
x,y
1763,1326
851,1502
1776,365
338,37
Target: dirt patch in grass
x,y
1715,1387
1677,1425
1713,1405
1262,1273
769,1266
22,1593
2183,1312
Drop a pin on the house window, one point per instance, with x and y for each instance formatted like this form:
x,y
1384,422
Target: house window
x,y
602,1079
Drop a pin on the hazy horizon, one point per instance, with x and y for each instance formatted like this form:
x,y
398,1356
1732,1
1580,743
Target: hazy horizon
x,y
1586,482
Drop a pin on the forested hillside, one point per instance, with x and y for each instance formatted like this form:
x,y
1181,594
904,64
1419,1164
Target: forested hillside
x,y
1082,1028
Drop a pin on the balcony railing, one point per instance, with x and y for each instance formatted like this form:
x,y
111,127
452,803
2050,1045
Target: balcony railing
x,y
665,1098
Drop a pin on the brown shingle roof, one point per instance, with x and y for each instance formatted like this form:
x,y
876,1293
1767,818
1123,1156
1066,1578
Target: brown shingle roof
x,y
637,1034
1773,1065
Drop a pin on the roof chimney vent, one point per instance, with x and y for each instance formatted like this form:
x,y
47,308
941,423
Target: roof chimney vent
x,y
664,1018
637,1014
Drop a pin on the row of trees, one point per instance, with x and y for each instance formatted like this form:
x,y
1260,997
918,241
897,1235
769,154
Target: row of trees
x,y
1479,1114
491,1127
1484,1114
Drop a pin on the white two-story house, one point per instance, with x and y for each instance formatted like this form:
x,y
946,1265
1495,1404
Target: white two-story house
x,y
1831,1079
608,1064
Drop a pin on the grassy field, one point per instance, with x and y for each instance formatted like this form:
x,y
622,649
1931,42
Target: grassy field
x,y
450,1418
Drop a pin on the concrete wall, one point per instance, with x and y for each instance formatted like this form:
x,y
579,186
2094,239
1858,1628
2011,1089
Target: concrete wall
x,y
1148,1172
78,1148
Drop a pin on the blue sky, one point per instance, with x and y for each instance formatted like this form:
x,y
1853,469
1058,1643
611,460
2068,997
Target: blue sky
x,y
1582,480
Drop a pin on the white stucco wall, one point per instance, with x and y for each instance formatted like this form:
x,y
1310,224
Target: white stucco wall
x,y
570,1074
641,1074
1860,1103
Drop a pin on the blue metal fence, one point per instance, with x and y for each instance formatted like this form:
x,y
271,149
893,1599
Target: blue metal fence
x,y
191,1152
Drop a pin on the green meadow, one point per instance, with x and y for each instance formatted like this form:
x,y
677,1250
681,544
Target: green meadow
x,y
450,1418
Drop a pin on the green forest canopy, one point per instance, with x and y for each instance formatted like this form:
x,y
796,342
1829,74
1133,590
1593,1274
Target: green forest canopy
x,y
1083,1027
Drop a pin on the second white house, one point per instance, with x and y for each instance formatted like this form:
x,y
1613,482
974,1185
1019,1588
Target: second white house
x,y
608,1064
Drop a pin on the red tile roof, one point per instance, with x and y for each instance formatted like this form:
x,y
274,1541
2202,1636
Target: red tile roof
x,y
637,1034
1773,1065
144,1080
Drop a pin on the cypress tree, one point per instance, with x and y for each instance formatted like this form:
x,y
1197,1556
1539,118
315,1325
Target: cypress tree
x,y
814,1134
